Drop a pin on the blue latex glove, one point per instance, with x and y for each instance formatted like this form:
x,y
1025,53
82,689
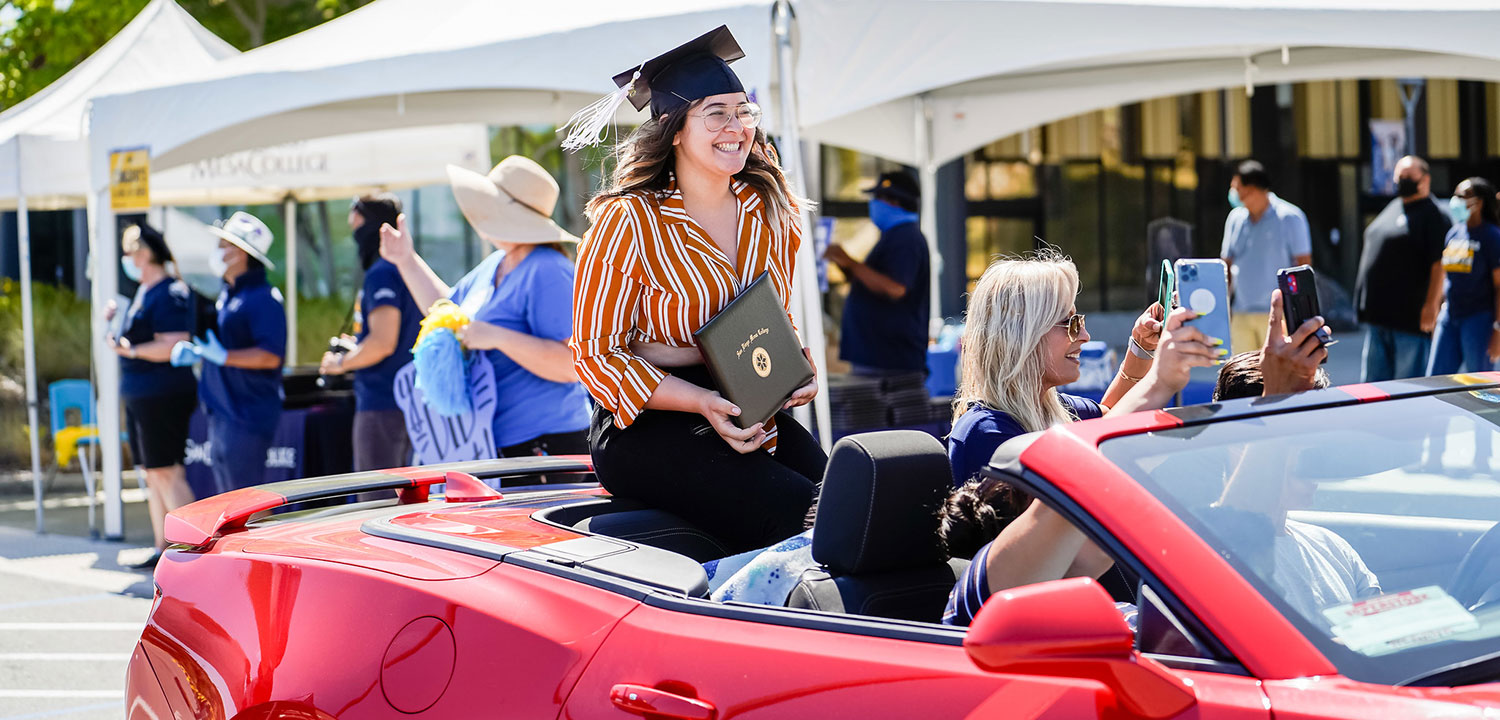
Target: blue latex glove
x,y
211,350
184,353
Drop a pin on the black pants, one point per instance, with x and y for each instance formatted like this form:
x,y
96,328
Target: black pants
x,y
675,461
158,427
565,443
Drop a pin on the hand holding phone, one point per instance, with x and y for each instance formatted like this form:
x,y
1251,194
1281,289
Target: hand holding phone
x,y
1166,289
1290,359
1299,300
1203,287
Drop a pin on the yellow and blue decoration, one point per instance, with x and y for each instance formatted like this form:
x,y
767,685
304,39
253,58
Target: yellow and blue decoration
x,y
438,354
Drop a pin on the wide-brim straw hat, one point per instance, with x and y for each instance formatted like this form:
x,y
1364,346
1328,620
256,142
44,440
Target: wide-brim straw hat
x,y
512,204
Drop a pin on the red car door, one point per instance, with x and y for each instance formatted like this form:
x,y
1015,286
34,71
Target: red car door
x,y
698,660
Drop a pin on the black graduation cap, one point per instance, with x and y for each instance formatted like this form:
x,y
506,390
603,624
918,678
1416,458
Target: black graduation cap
x,y
691,71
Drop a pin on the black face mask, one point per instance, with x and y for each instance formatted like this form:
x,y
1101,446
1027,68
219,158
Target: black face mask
x,y
1406,187
367,237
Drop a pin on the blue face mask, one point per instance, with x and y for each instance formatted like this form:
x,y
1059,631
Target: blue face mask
x,y
886,216
1458,210
1234,199
131,271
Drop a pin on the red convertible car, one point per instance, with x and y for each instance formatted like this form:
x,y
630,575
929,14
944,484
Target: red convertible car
x,y
551,599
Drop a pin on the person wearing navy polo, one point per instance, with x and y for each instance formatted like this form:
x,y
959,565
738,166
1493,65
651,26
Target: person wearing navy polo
x,y
240,386
386,322
159,398
884,330
520,301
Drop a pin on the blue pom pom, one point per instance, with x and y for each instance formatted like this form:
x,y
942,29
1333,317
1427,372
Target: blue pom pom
x,y
442,374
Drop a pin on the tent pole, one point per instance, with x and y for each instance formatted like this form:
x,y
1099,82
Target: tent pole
x,y
106,263
927,177
28,333
810,299
290,213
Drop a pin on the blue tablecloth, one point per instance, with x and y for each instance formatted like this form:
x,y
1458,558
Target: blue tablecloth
x,y
309,441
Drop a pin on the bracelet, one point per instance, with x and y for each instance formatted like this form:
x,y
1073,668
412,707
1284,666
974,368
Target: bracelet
x,y
133,352
1141,352
1128,378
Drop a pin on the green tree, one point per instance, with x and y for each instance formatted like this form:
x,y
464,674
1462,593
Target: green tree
x,y
46,42
48,38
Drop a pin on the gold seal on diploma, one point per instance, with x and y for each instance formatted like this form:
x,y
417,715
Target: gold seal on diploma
x,y
761,361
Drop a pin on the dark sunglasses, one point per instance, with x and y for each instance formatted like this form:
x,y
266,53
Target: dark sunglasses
x,y
1074,324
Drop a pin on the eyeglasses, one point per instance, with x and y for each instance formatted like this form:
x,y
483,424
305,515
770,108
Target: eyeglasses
x,y
1074,324
718,118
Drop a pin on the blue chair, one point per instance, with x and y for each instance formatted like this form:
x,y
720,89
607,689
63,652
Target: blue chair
x,y
80,438
77,396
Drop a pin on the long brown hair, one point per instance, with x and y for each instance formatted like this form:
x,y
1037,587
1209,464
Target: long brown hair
x,y
645,161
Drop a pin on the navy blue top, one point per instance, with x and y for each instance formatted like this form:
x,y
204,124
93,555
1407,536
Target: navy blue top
x,y
980,431
165,307
373,385
883,333
1470,257
250,316
535,298
973,588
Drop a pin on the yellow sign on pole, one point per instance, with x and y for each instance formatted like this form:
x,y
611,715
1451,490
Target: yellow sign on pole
x,y
130,180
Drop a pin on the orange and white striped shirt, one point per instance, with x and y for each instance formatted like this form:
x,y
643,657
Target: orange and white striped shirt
x,y
647,271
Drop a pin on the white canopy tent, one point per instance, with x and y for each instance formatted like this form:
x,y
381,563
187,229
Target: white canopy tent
x,y
328,168
986,69
43,137
920,82
924,83
44,153
400,63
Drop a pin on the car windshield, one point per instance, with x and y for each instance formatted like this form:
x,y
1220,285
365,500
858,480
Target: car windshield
x,y
1368,526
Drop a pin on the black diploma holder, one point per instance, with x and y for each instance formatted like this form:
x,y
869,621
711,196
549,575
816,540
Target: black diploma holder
x,y
753,353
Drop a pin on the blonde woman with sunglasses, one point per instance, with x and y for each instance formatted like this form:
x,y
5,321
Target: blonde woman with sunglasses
x,y
1022,342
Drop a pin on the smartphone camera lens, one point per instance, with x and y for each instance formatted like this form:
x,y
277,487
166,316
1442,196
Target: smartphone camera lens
x,y
1190,272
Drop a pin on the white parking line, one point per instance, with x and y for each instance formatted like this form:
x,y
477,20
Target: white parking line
x,y
65,694
46,602
70,657
62,711
94,626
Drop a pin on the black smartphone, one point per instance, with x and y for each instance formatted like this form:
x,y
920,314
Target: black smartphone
x,y
1299,300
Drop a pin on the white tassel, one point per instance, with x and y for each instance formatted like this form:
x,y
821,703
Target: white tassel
x,y
587,126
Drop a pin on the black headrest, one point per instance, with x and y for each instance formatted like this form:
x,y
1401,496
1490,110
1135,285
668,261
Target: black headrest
x,y
879,504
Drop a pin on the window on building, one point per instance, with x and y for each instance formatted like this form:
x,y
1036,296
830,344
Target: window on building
x,y
1442,119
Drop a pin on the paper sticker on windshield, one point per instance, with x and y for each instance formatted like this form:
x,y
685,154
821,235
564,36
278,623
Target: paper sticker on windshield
x,y
1395,621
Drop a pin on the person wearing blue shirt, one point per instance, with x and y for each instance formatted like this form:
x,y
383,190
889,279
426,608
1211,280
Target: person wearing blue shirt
x,y
884,329
386,322
240,386
159,398
1467,334
1262,234
519,300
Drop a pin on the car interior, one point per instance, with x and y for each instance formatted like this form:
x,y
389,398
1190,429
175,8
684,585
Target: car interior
x,y
1414,522
875,533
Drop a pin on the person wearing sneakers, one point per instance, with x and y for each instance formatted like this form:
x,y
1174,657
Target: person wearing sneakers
x,y
240,386
520,301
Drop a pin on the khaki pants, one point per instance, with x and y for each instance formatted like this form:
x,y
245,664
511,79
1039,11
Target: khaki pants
x,y
1247,331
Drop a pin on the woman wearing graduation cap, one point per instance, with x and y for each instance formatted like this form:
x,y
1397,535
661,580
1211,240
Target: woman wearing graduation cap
x,y
697,208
